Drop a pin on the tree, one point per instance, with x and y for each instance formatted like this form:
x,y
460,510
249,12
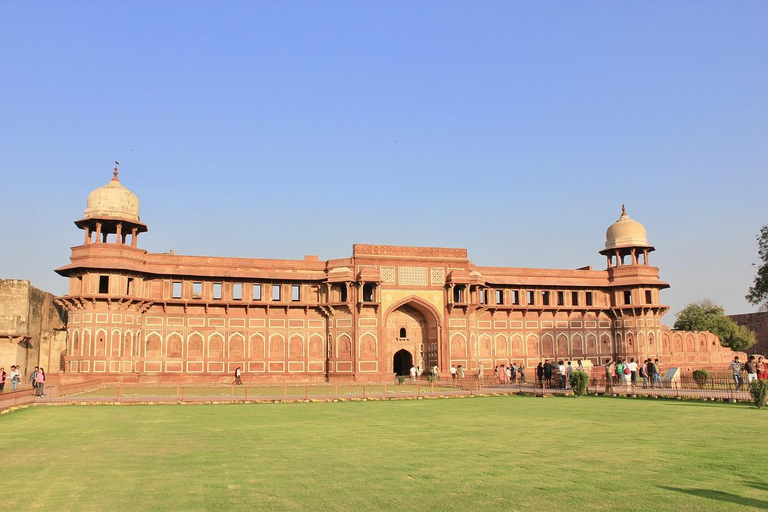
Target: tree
x,y
705,315
758,293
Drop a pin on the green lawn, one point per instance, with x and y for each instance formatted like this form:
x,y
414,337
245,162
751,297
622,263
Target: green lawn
x,y
500,453
257,391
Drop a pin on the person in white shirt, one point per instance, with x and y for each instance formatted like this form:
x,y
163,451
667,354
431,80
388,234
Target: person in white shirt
x,y
633,371
413,373
453,371
561,371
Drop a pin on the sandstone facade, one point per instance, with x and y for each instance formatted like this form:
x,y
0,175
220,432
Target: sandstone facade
x,y
365,317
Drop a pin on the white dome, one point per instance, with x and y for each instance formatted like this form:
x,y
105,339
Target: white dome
x,y
625,232
113,200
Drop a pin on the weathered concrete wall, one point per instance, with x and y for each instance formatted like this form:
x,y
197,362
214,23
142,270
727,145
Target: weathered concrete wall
x,y
31,327
14,307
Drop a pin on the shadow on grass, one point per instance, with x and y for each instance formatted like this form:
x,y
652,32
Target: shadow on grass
x,y
721,496
757,485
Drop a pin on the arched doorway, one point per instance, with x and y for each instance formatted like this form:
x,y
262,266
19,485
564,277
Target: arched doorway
x,y
413,325
402,362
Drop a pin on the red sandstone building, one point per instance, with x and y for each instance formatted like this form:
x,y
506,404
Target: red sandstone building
x,y
364,317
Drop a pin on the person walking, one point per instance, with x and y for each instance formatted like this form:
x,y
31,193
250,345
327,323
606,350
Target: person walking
x,y
568,372
461,371
15,377
736,368
413,373
620,366
33,379
644,373
238,375
608,374
480,369
580,366
751,369
2,379
453,371
40,380
657,373
521,370
512,372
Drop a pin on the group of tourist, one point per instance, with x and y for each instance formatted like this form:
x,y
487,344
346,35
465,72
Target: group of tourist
x,y
506,374
545,371
621,372
434,372
14,376
755,368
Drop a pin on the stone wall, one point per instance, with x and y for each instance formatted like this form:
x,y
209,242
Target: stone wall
x,y
757,323
32,327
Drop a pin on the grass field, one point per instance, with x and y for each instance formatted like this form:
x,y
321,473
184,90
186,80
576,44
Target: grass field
x,y
257,391
500,453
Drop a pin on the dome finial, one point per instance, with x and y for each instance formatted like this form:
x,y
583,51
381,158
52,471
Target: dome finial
x,y
623,208
114,173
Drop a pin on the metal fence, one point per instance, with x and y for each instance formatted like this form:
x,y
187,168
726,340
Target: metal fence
x,y
102,391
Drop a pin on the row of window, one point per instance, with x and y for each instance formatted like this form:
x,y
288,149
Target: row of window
x,y
548,298
237,291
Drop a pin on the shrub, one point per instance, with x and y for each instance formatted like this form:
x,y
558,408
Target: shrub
x,y
400,379
700,377
578,381
759,391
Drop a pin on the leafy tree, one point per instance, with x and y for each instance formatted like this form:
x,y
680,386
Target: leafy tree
x,y
758,293
705,315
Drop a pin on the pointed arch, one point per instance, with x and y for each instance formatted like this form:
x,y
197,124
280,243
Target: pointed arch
x,y
236,345
195,345
256,346
215,345
315,346
296,346
276,346
175,344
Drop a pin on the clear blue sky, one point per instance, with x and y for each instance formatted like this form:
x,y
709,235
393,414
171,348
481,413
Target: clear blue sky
x,y
513,129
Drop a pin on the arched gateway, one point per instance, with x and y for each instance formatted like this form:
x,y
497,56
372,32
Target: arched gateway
x,y
413,336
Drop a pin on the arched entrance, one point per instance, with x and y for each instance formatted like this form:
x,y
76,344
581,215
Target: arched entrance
x,y
413,326
402,362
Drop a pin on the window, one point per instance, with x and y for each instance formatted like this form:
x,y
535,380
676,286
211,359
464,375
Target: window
x,y
458,294
403,333
275,292
197,290
237,291
257,292
531,298
499,296
545,298
368,292
339,293
590,299
176,290
648,297
217,291
561,298
481,294
103,284
129,286
516,297
628,297
575,298
296,292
